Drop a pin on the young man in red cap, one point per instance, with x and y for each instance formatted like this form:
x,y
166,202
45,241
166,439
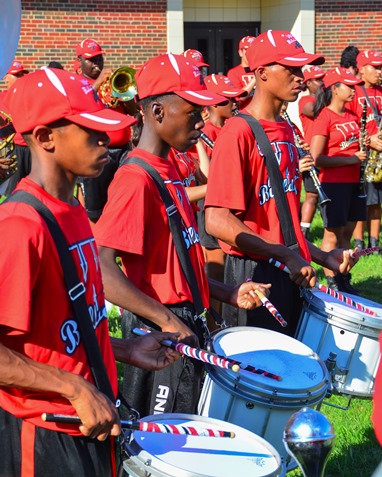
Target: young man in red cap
x,y
91,62
369,65
240,206
134,227
313,81
16,70
197,58
241,75
44,367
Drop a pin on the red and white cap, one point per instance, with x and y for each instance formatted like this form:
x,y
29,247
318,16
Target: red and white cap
x,y
313,72
223,85
341,75
279,46
246,42
174,74
88,48
196,57
47,95
16,67
369,57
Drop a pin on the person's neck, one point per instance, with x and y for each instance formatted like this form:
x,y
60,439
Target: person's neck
x,y
59,186
368,84
337,106
265,106
153,144
217,120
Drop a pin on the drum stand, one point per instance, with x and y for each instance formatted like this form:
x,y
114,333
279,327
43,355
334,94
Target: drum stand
x,y
331,364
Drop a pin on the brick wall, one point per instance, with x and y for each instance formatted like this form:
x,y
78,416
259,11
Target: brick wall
x,y
342,23
130,31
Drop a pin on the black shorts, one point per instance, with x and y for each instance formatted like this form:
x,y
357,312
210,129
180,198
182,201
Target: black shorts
x,y
374,193
285,295
345,205
56,454
308,183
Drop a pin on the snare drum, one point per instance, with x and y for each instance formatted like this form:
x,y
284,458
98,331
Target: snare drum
x,y
328,325
169,455
254,401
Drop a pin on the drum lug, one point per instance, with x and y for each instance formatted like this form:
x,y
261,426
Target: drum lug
x,y
148,462
249,405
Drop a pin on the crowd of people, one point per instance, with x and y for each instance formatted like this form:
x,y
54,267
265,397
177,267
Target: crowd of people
x,y
173,221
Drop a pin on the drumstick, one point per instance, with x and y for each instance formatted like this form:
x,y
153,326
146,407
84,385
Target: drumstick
x,y
199,354
269,306
146,426
236,365
366,251
333,293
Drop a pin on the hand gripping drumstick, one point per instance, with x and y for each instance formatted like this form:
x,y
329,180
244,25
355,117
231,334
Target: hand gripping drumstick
x,y
204,356
366,251
329,291
146,426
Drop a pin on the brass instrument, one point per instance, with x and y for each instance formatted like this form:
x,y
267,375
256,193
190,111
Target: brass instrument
x,y
8,163
322,197
362,147
373,169
121,86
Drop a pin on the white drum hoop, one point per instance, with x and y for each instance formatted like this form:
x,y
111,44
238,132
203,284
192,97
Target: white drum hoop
x,y
156,455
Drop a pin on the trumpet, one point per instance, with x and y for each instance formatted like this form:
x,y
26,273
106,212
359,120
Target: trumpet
x,y
121,86
322,197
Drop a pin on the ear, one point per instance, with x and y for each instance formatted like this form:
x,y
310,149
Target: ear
x,y
261,72
157,111
43,137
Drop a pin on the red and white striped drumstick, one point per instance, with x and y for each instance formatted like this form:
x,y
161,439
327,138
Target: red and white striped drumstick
x,y
200,354
360,253
147,426
335,294
272,309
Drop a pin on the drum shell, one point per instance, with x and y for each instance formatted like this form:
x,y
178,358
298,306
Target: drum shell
x,y
327,325
141,461
255,402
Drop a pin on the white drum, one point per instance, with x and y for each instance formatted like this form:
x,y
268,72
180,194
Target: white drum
x,y
328,325
169,455
254,401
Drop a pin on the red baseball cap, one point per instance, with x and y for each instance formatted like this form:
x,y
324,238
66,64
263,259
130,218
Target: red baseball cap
x,y
369,57
49,94
246,42
313,72
279,46
340,75
88,48
16,67
223,85
196,57
174,74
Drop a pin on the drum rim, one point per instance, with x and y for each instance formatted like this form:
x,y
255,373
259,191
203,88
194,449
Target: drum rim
x,y
139,455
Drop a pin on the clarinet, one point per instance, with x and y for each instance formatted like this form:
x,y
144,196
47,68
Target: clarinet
x,y
207,140
362,147
323,198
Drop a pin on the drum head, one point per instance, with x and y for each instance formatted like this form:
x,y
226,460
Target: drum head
x,y
301,370
186,456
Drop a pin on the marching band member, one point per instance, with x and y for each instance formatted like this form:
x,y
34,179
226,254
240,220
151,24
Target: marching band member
x,y
90,62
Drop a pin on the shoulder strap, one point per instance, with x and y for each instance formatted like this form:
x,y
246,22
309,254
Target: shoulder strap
x,y
276,181
76,291
176,231
369,103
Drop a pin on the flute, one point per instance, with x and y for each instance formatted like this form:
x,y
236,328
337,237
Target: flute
x,y
323,198
362,147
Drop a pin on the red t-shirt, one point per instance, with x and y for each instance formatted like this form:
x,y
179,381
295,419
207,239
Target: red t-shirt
x,y
212,132
238,180
185,166
306,121
377,399
36,317
135,222
342,133
374,103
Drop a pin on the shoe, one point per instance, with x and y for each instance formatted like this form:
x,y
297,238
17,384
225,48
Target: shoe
x,y
331,281
343,283
358,243
374,242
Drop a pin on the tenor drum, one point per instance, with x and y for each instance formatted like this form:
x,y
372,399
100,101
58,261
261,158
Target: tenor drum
x,y
328,325
169,455
254,401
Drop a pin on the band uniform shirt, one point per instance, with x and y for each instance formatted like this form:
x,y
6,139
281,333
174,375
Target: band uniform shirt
x,y
212,132
374,105
238,180
342,133
36,316
306,121
135,223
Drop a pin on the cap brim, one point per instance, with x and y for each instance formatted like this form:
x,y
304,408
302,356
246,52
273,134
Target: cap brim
x,y
103,120
90,55
314,77
302,59
202,98
239,93
199,64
